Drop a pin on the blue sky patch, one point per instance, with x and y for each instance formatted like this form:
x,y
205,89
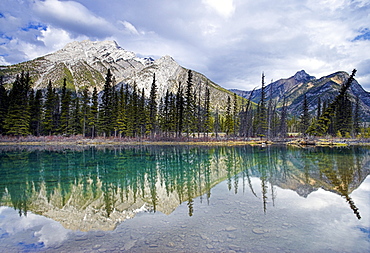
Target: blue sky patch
x,y
365,35
34,26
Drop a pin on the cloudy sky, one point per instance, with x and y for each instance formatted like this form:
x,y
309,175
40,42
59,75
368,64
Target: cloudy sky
x,y
230,41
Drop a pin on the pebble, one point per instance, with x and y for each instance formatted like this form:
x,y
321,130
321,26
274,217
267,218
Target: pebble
x,y
231,236
229,229
258,231
81,238
97,246
100,234
204,237
209,246
170,244
234,247
153,246
129,244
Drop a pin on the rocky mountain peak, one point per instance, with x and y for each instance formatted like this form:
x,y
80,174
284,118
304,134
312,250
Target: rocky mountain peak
x,y
90,51
302,76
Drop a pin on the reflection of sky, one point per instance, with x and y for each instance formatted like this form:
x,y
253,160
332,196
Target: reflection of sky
x,y
30,231
321,221
326,213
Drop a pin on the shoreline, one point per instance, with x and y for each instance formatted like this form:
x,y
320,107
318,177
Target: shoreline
x,y
300,142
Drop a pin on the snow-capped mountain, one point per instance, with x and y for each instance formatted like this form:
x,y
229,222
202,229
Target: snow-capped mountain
x,y
85,64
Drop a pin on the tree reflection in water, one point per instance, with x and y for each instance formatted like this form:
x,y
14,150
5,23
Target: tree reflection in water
x,y
162,177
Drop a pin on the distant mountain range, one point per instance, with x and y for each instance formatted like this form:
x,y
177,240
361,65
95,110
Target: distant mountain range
x,y
85,64
325,88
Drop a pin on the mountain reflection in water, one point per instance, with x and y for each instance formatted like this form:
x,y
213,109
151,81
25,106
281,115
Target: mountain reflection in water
x,y
89,188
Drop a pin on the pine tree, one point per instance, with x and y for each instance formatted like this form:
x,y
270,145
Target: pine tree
x,y
17,121
305,117
189,107
261,126
106,107
318,108
143,113
121,119
35,112
65,108
246,118
85,111
164,114
235,115
4,104
207,112
343,120
49,107
180,108
327,117
94,113
75,119
153,107
356,117
229,123
283,120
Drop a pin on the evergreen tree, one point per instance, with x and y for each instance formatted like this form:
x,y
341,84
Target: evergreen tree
x,y
246,118
172,115
217,125
153,107
121,119
94,113
235,115
17,121
207,112
75,119
65,108
106,107
356,118
85,111
143,114
261,124
283,120
229,123
4,104
48,123
189,107
322,125
343,117
35,112
180,111
305,117
318,108
164,114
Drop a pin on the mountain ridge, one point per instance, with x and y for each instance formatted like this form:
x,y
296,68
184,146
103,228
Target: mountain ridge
x,y
295,87
85,64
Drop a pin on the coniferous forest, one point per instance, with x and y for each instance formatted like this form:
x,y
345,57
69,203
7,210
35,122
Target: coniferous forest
x,y
124,111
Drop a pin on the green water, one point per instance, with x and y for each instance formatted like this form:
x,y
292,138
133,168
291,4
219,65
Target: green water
x,y
187,199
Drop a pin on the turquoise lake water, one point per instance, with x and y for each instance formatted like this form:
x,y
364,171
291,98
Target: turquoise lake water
x,y
184,199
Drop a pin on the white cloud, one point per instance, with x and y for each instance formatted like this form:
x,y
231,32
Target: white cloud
x,y
73,17
231,42
3,62
225,8
45,230
129,27
56,38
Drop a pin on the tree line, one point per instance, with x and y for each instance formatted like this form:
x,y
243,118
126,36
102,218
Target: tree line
x,y
125,111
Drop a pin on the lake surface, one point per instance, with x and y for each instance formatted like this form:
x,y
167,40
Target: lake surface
x,y
184,199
